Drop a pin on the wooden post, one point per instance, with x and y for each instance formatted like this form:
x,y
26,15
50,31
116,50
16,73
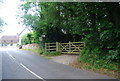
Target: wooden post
x,y
45,47
49,46
57,48
69,46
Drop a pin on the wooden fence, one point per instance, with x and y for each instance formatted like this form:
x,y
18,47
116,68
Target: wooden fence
x,y
70,48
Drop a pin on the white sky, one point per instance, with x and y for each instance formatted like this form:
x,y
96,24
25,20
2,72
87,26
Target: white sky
x,y
8,12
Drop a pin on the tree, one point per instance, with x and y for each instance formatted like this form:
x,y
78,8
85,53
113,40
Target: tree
x,y
1,21
1,24
96,24
28,39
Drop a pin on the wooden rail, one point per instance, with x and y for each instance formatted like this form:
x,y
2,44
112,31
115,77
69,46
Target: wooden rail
x,y
69,48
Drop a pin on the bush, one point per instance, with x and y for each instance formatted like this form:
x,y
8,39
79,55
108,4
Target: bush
x,y
96,61
40,51
17,45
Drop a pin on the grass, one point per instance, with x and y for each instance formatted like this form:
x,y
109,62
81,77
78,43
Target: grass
x,y
51,53
90,67
109,69
44,54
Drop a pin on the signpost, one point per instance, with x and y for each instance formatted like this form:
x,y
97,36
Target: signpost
x,y
41,41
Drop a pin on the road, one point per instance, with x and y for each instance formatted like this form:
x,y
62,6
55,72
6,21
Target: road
x,y
20,64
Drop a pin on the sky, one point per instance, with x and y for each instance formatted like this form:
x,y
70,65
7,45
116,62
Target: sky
x,y
8,12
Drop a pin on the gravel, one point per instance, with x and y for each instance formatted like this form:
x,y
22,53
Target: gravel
x,y
66,59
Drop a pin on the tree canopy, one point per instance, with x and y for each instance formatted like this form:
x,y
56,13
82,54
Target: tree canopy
x,y
1,24
1,21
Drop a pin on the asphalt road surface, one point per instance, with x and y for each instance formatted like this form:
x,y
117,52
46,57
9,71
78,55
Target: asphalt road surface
x,y
19,64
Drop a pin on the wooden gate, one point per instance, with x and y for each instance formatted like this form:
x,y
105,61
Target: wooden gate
x,y
70,48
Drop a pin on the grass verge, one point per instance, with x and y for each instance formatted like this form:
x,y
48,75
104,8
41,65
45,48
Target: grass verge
x,y
44,54
100,70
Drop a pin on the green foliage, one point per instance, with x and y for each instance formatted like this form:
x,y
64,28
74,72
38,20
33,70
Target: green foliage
x,y
44,53
40,51
101,36
96,24
93,58
28,39
17,45
47,20
1,24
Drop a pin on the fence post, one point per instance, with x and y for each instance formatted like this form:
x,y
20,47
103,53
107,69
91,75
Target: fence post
x,y
69,46
57,46
45,47
49,47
